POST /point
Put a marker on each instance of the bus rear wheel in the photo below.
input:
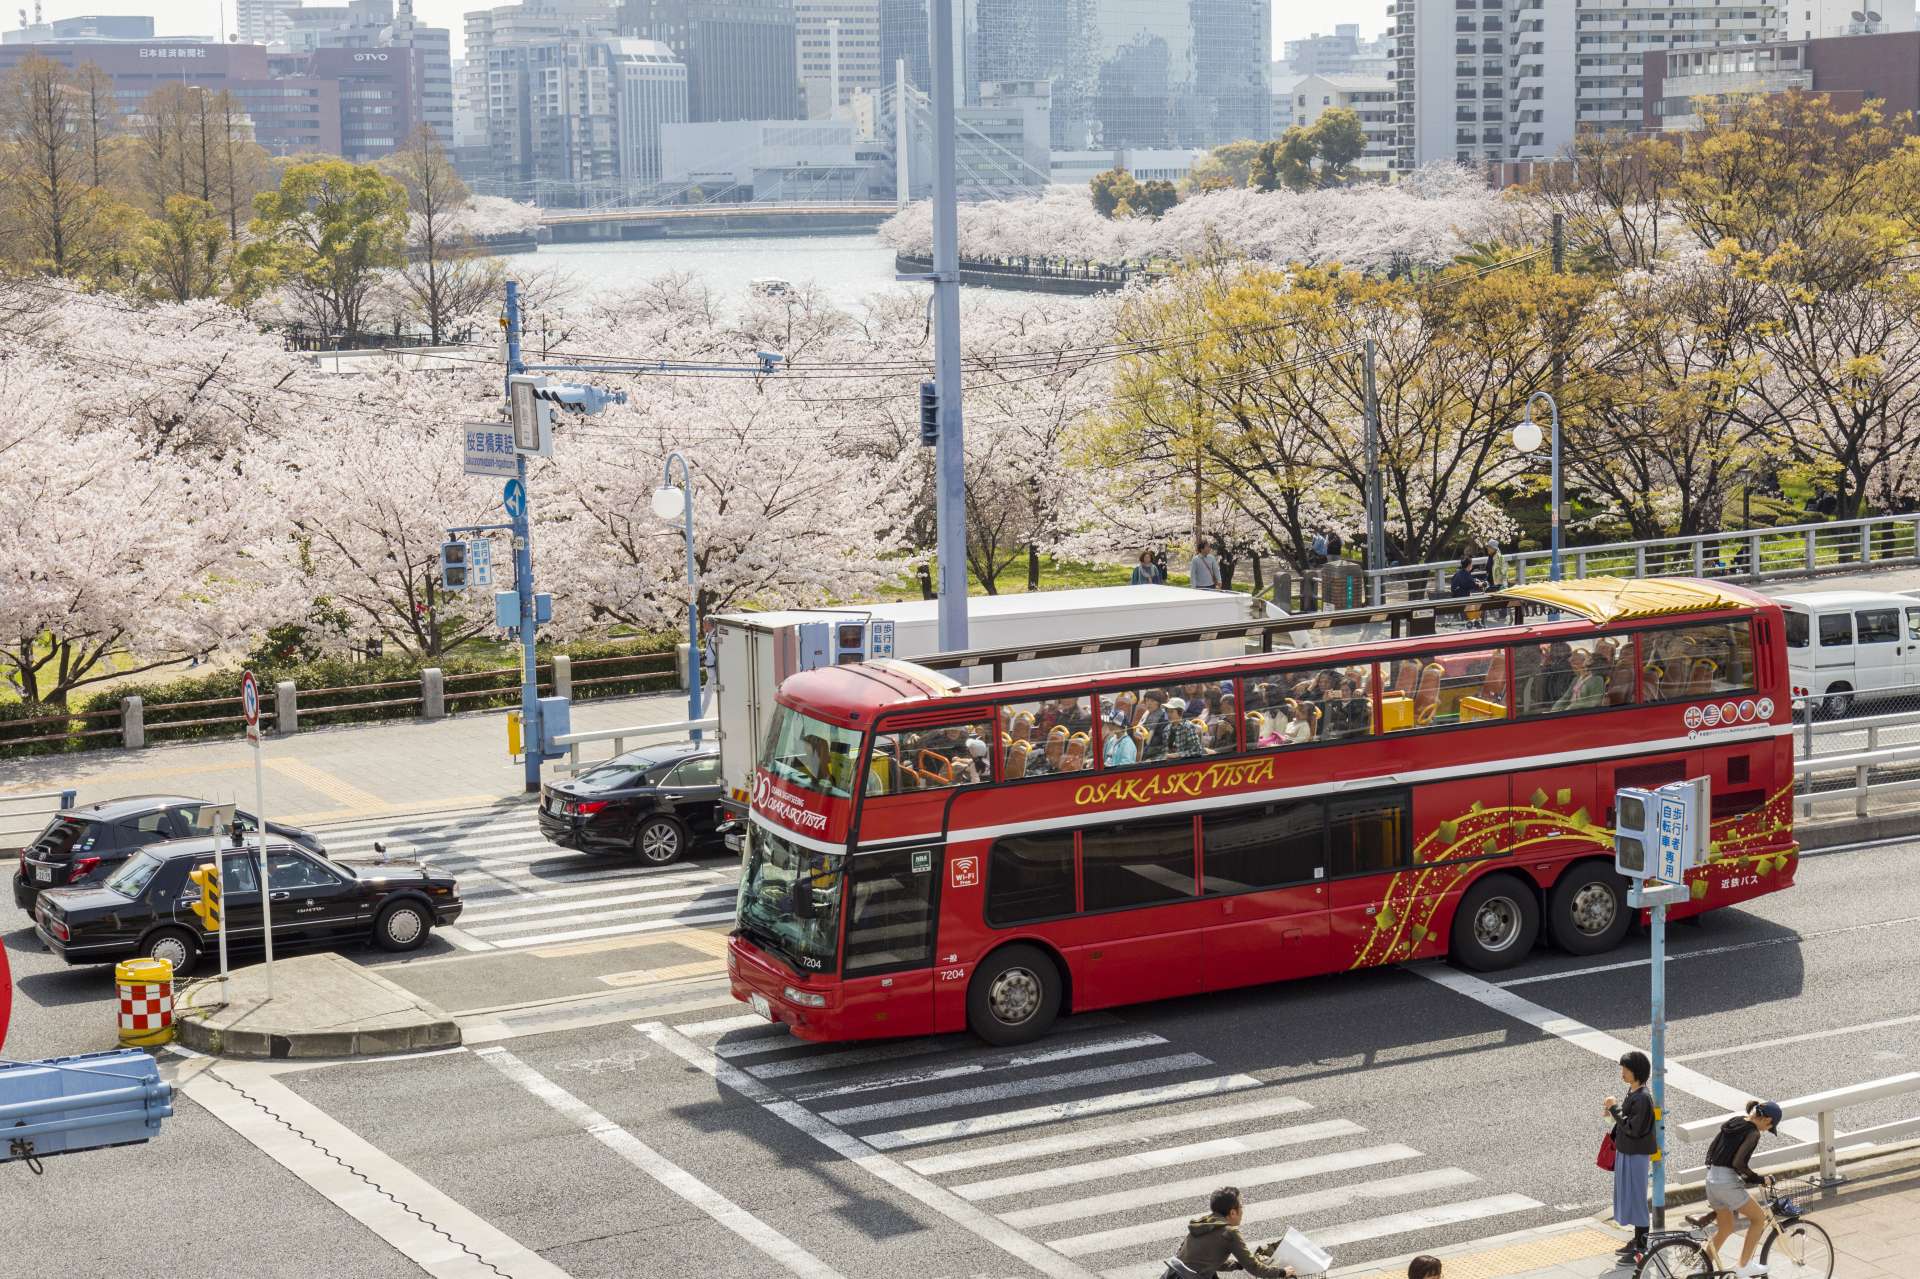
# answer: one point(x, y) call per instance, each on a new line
point(1014, 996)
point(1588, 913)
point(1496, 925)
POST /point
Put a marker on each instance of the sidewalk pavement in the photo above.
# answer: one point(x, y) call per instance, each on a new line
point(337, 774)
point(1874, 1219)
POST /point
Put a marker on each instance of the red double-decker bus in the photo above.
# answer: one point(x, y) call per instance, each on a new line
point(925, 856)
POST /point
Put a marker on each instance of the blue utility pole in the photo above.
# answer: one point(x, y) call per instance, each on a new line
point(950, 506)
point(693, 582)
point(531, 739)
point(1659, 1046)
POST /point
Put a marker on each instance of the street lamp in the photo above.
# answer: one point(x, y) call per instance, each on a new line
point(1526, 438)
point(675, 502)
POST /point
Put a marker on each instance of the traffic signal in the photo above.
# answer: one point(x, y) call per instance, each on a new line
point(208, 908)
point(1635, 812)
point(453, 566)
point(929, 414)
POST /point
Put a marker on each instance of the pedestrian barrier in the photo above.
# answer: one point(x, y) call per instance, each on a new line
point(619, 736)
point(1849, 762)
point(146, 1002)
point(24, 816)
point(1829, 1145)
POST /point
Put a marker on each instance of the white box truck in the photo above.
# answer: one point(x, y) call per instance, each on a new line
point(756, 651)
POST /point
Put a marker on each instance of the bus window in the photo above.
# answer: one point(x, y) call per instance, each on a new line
point(1174, 721)
point(1267, 846)
point(1030, 877)
point(1307, 704)
point(1137, 863)
point(1704, 660)
point(1573, 675)
point(1367, 835)
point(1447, 688)
point(810, 753)
point(1045, 737)
point(934, 758)
point(890, 910)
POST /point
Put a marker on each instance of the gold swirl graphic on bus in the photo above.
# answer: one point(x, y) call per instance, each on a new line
point(1145, 788)
point(1404, 918)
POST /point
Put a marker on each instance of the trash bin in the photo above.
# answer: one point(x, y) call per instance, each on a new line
point(146, 1002)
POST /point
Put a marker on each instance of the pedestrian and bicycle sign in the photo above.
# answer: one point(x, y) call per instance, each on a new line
point(250, 706)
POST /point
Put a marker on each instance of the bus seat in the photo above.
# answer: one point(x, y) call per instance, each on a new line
point(1493, 686)
point(1017, 758)
point(1620, 683)
point(1426, 697)
point(1700, 677)
point(1407, 677)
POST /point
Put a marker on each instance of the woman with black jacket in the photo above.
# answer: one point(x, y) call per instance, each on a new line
point(1633, 1150)
point(1728, 1176)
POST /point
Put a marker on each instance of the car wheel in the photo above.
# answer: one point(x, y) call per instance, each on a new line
point(659, 841)
point(175, 945)
point(1838, 703)
point(402, 926)
point(1588, 913)
point(1014, 996)
point(1496, 925)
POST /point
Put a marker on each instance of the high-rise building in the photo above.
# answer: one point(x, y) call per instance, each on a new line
point(262, 21)
point(1818, 19)
point(839, 50)
point(91, 27)
point(1134, 73)
point(742, 55)
point(374, 26)
point(1849, 70)
point(1345, 52)
point(649, 93)
point(903, 37)
point(1517, 79)
point(535, 22)
point(1371, 98)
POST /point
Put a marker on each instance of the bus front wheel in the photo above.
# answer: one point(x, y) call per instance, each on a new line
point(1014, 996)
point(1496, 924)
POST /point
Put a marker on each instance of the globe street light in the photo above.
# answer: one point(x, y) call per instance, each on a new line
point(675, 502)
point(1526, 438)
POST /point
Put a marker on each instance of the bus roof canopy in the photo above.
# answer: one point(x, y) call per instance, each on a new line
point(1613, 599)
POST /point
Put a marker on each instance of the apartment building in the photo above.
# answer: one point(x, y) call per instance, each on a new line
point(838, 44)
point(1372, 98)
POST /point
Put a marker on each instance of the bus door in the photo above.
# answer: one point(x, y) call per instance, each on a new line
point(1140, 934)
point(1265, 872)
point(893, 899)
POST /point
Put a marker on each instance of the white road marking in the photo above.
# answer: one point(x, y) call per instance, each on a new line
point(1681, 1078)
point(721, 1025)
point(1101, 1105)
point(600, 884)
point(498, 923)
point(1015, 1088)
point(884, 1167)
point(1198, 1188)
point(1792, 939)
point(461, 939)
point(785, 1253)
point(1797, 1039)
point(1150, 1160)
point(437, 1254)
point(1146, 1232)
point(894, 1050)
point(982, 1066)
point(1106, 1135)
point(1399, 1223)
point(597, 1009)
point(687, 889)
point(612, 930)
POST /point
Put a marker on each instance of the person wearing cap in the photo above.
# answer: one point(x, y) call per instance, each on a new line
point(1116, 743)
point(1729, 1174)
point(1183, 735)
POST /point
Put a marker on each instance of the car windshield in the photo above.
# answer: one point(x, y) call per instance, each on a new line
point(790, 900)
point(617, 774)
point(132, 879)
point(811, 753)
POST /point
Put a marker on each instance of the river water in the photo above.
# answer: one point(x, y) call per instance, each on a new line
point(848, 267)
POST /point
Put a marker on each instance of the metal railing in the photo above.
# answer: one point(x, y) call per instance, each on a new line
point(619, 737)
point(1850, 761)
point(26, 815)
point(1745, 555)
point(1830, 1144)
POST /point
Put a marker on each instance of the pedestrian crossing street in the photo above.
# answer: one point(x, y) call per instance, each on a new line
point(1102, 1140)
point(522, 892)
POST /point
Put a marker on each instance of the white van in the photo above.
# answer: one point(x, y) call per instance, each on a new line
point(1844, 646)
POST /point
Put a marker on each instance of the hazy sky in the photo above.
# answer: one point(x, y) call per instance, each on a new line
point(1291, 18)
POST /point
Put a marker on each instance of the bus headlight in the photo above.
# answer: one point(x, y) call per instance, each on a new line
point(805, 998)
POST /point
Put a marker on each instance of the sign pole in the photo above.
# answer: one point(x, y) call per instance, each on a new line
point(250, 700)
point(531, 739)
point(220, 886)
point(1659, 1046)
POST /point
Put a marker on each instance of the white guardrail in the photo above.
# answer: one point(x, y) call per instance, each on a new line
point(1829, 1145)
point(24, 816)
point(620, 736)
point(1845, 763)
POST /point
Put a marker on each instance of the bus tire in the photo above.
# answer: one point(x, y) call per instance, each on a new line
point(1496, 925)
point(1014, 996)
point(1587, 911)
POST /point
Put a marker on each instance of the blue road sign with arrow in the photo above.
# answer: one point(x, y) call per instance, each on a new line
point(516, 499)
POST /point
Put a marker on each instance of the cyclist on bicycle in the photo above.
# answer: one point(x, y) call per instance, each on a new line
point(1728, 1177)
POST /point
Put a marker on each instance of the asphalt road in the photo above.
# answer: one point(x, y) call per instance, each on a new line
point(616, 1127)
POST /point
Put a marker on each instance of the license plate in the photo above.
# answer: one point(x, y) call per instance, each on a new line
point(554, 805)
point(733, 843)
point(761, 1006)
point(43, 873)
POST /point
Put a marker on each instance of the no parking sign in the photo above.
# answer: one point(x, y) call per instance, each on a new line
point(6, 996)
point(250, 704)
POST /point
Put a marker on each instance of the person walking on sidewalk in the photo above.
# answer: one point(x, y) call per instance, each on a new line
point(1203, 570)
point(1729, 1174)
point(1213, 1244)
point(1424, 1267)
point(1633, 1150)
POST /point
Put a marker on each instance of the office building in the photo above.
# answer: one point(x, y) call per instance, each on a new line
point(92, 27)
point(535, 22)
point(568, 118)
point(262, 21)
point(1821, 19)
point(1078, 168)
point(1516, 79)
point(839, 51)
point(1848, 69)
point(649, 93)
point(766, 159)
point(741, 55)
point(372, 27)
point(1342, 53)
point(380, 92)
point(1371, 98)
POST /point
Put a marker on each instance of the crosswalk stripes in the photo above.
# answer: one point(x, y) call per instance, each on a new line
point(522, 891)
point(1131, 1137)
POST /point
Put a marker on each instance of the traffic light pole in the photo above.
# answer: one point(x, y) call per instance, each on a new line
point(950, 507)
point(531, 739)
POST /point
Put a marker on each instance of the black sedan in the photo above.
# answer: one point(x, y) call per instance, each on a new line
point(146, 907)
point(85, 844)
point(654, 804)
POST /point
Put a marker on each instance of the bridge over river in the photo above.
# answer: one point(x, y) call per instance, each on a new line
point(578, 226)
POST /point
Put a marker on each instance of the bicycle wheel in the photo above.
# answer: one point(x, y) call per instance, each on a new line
point(1676, 1259)
point(1799, 1249)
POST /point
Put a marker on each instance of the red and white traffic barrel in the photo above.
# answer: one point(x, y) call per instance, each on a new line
point(146, 1002)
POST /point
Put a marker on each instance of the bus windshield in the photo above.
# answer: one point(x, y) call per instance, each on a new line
point(811, 753)
point(790, 900)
